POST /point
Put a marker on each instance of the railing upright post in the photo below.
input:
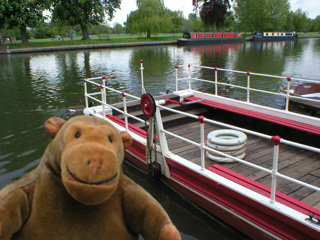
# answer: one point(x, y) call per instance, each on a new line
point(276, 140)
point(176, 69)
point(189, 76)
point(125, 110)
point(143, 90)
point(86, 92)
point(288, 93)
point(248, 86)
point(202, 142)
point(216, 81)
point(103, 99)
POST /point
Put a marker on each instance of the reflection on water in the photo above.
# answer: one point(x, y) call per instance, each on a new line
point(37, 86)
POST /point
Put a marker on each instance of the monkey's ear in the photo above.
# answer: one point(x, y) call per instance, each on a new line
point(53, 125)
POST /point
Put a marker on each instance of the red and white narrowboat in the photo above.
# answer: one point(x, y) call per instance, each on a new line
point(218, 37)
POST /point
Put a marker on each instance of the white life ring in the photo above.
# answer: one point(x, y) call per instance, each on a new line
point(236, 152)
point(226, 137)
point(227, 141)
point(226, 148)
point(223, 158)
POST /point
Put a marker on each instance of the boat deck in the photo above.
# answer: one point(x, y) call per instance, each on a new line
point(298, 164)
point(293, 162)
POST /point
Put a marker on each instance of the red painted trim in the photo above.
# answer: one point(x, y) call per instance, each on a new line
point(132, 128)
point(136, 152)
point(264, 190)
point(249, 209)
point(285, 122)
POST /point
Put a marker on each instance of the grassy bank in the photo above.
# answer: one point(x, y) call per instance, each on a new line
point(95, 39)
point(111, 38)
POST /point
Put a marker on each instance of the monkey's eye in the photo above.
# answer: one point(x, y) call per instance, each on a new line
point(110, 139)
point(77, 134)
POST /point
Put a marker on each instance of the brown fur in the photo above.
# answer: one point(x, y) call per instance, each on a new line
point(78, 190)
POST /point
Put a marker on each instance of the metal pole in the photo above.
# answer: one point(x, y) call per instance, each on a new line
point(104, 84)
point(276, 140)
point(202, 141)
point(103, 99)
point(125, 110)
point(142, 80)
point(288, 93)
point(189, 76)
point(176, 69)
point(216, 81)
point(85, 92)
point(248, 87)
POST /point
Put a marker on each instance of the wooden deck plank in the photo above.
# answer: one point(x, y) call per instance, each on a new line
point(312, 199)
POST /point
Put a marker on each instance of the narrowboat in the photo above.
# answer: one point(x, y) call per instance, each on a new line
point(254, 166)
point(202, 38)
point(274, 36)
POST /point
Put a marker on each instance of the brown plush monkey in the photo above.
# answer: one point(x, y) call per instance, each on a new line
point(78, 191)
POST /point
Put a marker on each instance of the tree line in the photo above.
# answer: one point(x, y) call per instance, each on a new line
point(85, 17)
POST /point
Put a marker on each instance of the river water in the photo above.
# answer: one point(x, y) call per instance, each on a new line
point(34, 87)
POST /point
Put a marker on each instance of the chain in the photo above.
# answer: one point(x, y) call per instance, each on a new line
point(155, 140)
point(148, 140)
point(206, 213)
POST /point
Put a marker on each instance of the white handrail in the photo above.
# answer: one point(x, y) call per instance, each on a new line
point(248, 88)
point(277, 140)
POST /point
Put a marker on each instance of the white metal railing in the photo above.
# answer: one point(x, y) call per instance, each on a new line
point(103, 97)
point(201, 144)
point(248, 87)
point(276, 139)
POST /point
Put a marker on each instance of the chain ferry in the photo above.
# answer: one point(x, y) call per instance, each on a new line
point(256, 167)
point(201, 38)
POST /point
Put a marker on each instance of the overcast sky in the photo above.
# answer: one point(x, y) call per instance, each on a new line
point(310, 6)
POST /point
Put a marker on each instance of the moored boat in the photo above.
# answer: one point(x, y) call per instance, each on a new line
point(269, 192)
point(274, 36)
point(306, 95)
point(203, 37)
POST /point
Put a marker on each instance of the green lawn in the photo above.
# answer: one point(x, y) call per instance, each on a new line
point(308, 34)
point(113, 38)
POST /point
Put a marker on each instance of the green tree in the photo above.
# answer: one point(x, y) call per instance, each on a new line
point(317, 23)
point(22, 14)
point(151, 17)
point(262, 15)
point(177, 19)
point(84, 12)
point(299, 20)
point(98, 29)
point(118, 28)
point(213, 12)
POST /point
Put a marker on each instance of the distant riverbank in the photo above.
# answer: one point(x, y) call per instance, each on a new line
point(88, 46)
point(105, 41)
